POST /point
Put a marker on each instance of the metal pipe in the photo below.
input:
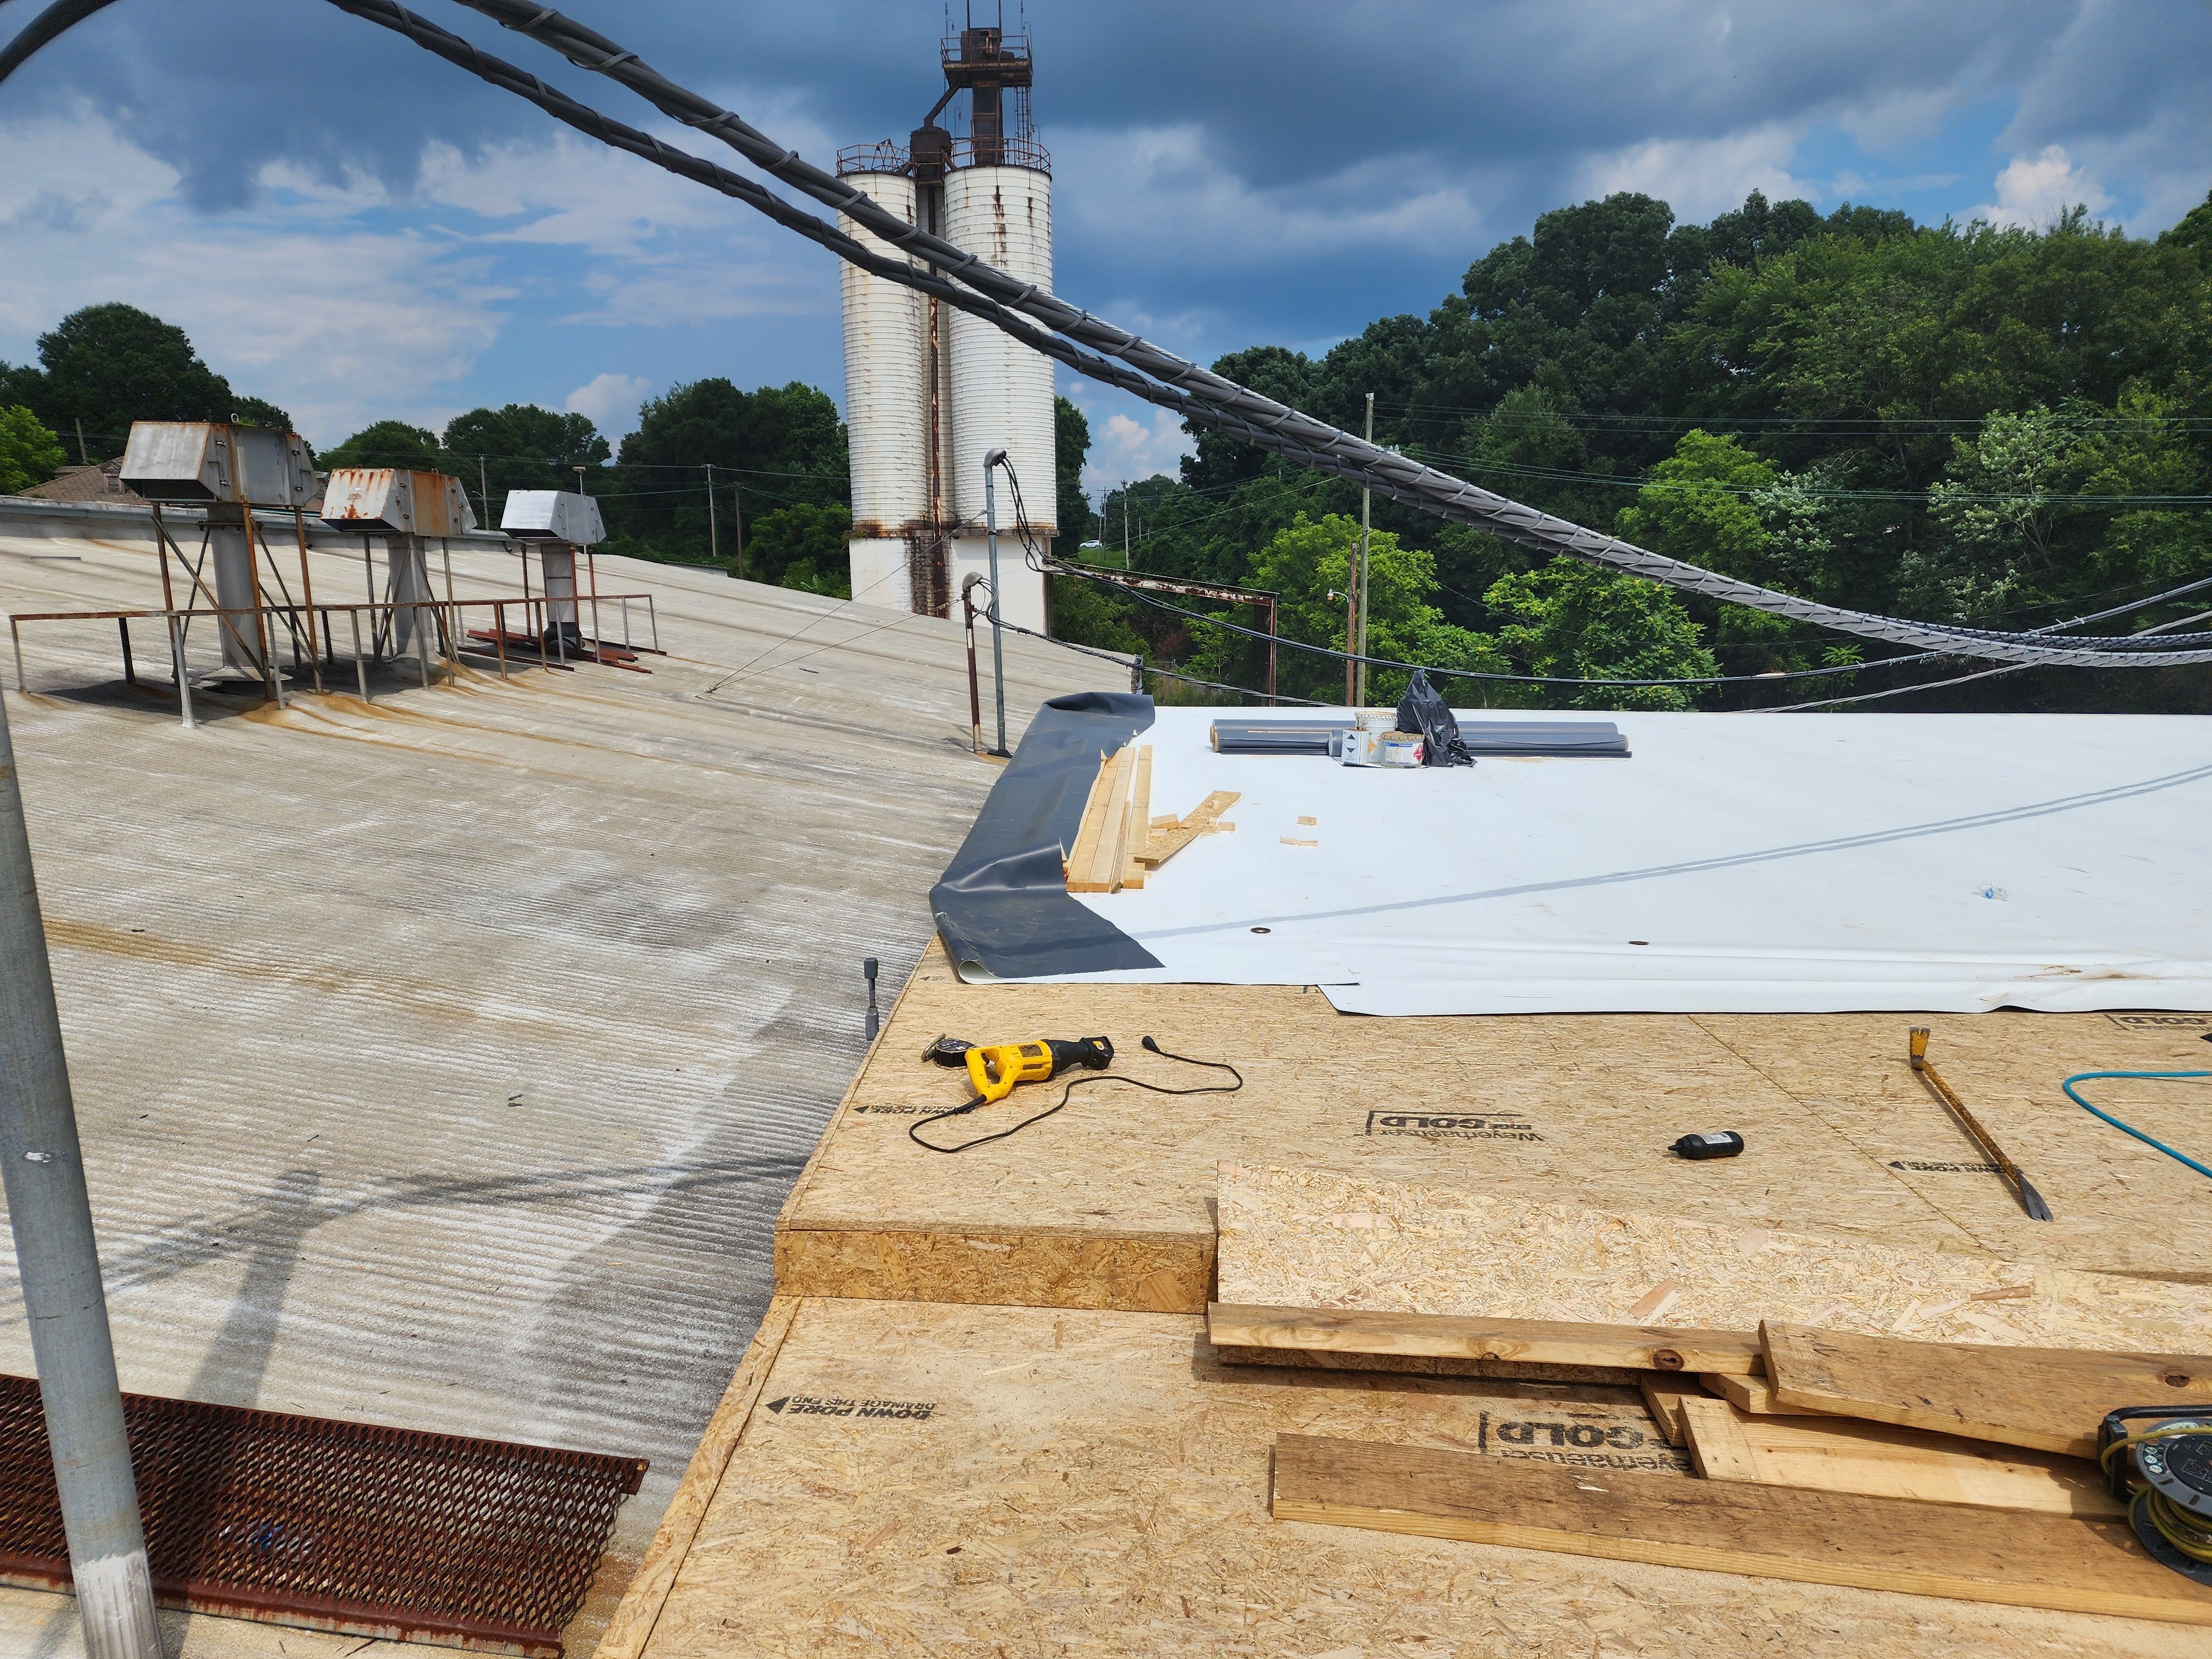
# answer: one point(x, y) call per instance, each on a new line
point(129, 668)
point(177, 661)
point(1359, 651)
point(307, 594)
point(1271, 636)
point(998, 646)
point(653, 616)
point(499, 632)
point(975, 692)
point(51, 1216)
point(15, 633)
point(360, 662)
point(625, 615)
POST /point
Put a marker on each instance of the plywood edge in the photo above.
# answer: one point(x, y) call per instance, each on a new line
point(1454, 1336)
point(1150, 1273)
point(798, 1189)
point(630, 1629)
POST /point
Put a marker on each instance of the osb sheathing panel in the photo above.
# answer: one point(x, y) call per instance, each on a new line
point(1844, 1141)
point(1314, 1239)
point(1030, 1481)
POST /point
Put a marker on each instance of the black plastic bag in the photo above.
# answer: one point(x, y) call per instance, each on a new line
point(1422, 710)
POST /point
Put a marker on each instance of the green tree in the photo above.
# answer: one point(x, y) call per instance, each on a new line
point(29, 454)
point(258, 411)
point(395, 443)
point(1309, 564)
point(778, 445)
point(521, 447)
point(109, 365)
point(802, 546)
point(1576, 621)
point(1071, 434)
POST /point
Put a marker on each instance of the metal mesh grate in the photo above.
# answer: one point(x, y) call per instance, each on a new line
point(343, 1526)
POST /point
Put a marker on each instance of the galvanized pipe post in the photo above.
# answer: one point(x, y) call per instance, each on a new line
point(998, 647)
point(975, 692)
point(177, 658)
point(50, 1215)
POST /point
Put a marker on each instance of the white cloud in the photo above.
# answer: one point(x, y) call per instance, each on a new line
point(1700, 177)
point(2033, 191)
point(609, 401)
point(1165, 191)
point(1131, 445)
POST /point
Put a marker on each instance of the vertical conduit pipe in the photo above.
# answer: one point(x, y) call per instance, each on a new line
point(50, 1215)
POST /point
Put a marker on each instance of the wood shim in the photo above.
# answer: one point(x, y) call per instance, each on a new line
point(2050, 1399)
point(1309, 1238)
point(1445, 1336)
point(2023, 1558)
point(1835, 1454)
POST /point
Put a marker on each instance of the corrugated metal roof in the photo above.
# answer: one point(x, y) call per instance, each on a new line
point(442, 1061)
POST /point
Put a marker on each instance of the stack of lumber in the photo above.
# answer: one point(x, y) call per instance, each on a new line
point(1853, 1414)
point(1118, 841)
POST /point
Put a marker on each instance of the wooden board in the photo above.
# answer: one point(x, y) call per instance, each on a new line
point(1101, 871)
point(1752, 1394)
point(1094, 1484)
point(1815, 1537)
point(1662, 1397)
point(1138, 821)
point(2050, 1399)
point(1315, 1238)
point(1566, 1109)
point(1092, 828)
point(1835, 1454)
point(1442, 1335)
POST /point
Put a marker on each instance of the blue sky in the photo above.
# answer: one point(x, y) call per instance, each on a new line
point(356, 229)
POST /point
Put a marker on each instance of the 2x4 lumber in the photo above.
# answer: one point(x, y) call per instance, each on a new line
point(2050, 1399)
point(1877, 1460)
point(1089, 831)
point(1452, 1336)
point(2025, 1559)
point(1114, 833)
point(631, 1628)
point(1138, 821)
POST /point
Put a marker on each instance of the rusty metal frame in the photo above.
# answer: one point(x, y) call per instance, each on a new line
point(1220, 592)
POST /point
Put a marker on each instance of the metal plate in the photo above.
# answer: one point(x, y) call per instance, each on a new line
point(340, 1526)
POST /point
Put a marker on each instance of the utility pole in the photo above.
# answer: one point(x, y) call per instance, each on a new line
point(1360, 649)
point(484, 493)
point(51, 1216)
point(83, 459)
point(737, 507)
point(1124, 523)
point(714, 545)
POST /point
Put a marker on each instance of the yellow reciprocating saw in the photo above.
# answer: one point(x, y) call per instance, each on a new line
point(996, 1069)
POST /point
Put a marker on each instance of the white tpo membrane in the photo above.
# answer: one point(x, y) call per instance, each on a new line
point(1735, 863)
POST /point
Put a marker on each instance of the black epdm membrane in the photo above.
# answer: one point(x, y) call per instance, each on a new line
point(1002, 904)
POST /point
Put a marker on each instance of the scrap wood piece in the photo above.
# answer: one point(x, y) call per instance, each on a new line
point(1293, 1237)
point(1877, 1460)
point(2023, 1558)
point(1445, 1336)
point(1164, 843)
point(1754, 1394)
point(1662, 1397)
point(2050, 1399)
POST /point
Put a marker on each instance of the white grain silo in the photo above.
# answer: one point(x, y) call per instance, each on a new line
point(1001, 389)
point(929, 390)
point(886, 401)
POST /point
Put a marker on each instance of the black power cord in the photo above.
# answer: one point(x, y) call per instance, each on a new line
point(913, 1130)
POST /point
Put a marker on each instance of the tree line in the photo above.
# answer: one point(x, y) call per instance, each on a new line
point(2002, 428)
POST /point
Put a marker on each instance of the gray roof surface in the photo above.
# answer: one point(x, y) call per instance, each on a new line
point(442, 1061)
